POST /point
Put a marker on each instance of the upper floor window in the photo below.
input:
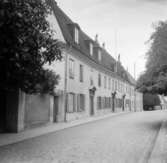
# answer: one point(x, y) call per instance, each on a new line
point(81, 73)
point(99, 55)
point(91, 48)
point(71, 68)
point(76, 35)
point(91, 80)
point(91, 76)
point(99, 80)
point(116, 85)
point(105, 82)
point(109, 83)
point(113, 85)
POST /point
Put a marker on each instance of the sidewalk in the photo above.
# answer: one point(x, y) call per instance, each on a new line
point(159, 153)
point(6, 139)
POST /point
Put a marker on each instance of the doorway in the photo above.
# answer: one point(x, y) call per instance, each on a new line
point(113, 104)
point(56, 106)
point(91, 98)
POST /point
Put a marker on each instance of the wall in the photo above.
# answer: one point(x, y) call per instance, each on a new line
point(139, 101)
point(37, 109)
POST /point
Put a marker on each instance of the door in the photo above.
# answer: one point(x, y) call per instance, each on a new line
point(123, 106)
point(91, 105)
point(113, 104)
point(56, 106)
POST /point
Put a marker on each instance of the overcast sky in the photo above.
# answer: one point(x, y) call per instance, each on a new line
point(124, 25)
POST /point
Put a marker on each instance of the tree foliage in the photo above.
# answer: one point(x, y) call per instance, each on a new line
point(150, 100)
point(26, 45)
point(154, 79)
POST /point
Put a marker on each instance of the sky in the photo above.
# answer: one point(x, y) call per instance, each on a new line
point(124, 25)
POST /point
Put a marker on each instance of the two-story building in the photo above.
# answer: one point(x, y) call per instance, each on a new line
point(91, 82)
point(94, 82)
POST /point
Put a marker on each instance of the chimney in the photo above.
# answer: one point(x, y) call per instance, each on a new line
point(103, 45)
point(96, 38)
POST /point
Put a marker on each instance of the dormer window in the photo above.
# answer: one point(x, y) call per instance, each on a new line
point(91, 48)
point(99, 55)
point(76, 35)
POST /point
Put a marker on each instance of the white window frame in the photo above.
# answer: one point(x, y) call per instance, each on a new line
point(91, 49)
point(99, 55)
point(81, 73)
point(71, 68)
point(76, 35)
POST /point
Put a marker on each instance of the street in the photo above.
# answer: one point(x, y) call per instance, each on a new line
point(125, 138)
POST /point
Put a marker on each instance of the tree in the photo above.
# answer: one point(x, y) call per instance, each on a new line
point(154, 79)
point(150, 100)
point(26, 45)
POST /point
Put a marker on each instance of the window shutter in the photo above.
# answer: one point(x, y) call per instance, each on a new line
point(74, 102)
point(67, 102)
point(98, 103)
point(78, 102)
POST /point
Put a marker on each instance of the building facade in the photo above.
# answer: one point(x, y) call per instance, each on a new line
point(94, 82)
point(91, 82)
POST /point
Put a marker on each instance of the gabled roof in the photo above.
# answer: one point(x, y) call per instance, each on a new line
point(66, 24)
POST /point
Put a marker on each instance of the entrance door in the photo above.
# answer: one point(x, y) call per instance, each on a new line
point(56, 106)
point(113, 104)
point(91, 104)
point(2, 112)
point(123, 104)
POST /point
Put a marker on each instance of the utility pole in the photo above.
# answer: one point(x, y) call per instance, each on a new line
point(115, 42)
point(135, 70)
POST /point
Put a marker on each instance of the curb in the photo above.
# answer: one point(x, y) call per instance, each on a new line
point(7, 139)
point(159, 153)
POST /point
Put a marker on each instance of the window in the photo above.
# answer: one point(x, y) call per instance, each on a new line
point(113, 85)
point(76, 35)
point(91, 49)
point(99, 102)
point(105, 82)
point(110, 102)
point(91, 77)
point(109, 83)
point(91, 80)
point(116, 87)
point(99, 55)
point(71, 103)
point(81, 102)
point(99, 80)
point(81, 73)
point(71, 68)
point(105, 102)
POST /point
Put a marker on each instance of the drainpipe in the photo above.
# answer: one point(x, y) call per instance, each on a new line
point(66, 81)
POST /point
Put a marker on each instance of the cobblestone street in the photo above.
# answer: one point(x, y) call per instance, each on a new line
point(125, 138)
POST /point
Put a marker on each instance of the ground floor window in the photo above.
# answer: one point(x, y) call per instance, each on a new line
point(104, 102)
point(71, 103)
point(128, 103)
point(119, 103)
point(81, 102)
point(99, 102)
